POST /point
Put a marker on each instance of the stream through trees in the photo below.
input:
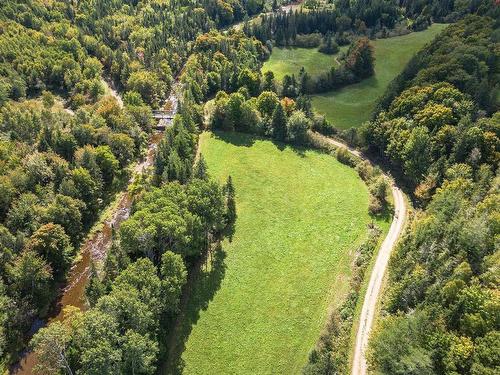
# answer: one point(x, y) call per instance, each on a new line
point(95, 247)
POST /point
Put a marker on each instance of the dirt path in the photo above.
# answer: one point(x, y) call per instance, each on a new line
point(368, 311)
point(109, 88)
point(359, 365)
point(284, 8)
point(295, 5)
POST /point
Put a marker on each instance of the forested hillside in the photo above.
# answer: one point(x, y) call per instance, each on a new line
point(436, 113)
point(439, 127)
point(58, 166)
point(69, 145)
point(350, 18)
point(66, 144)
point(352, 24)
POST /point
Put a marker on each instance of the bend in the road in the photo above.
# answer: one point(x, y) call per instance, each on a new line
point(368, 311)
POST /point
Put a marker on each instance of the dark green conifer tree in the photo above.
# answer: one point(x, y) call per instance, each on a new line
point(95, 287)
point(201, 169)
point(278, 123)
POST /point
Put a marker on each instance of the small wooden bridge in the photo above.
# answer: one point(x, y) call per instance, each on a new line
point(163, 115)
point(165, 119)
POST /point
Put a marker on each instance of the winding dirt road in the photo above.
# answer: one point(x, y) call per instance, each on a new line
point(359, 365)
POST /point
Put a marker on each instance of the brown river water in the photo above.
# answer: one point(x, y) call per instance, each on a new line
point(94, 249)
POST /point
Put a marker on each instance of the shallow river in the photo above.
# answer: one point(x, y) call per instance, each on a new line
point(94, 249)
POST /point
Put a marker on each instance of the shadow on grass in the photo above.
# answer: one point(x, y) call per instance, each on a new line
point(386, 214)
point(236, 138)
point(247, 140)
point(204, 282)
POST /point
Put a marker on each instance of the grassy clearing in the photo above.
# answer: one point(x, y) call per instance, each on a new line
point(291, 60)
point(353, 105)
point(261, 307)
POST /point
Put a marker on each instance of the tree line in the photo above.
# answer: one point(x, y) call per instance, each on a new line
point(264, 115)
point(439, 127)
point(138, 296)
point(65, 145)
point(358, 64)
point(371, 18)
point(436, 113)
point(228, 67)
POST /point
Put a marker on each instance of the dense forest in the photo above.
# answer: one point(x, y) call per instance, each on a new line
point(436, 113)
point(352, 23)
point(439, 128)
point(67, 148)
point(59, 166)
point(349, 18)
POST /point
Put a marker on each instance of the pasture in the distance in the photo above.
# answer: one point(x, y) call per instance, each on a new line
point(301, 214)
point(291, 60)
point(353, 105)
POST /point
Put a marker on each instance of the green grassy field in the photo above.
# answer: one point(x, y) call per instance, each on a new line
point(353, 105)
point(291, 60)
point(262, 306)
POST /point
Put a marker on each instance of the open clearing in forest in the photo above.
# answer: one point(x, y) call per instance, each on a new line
point(291, 60)
point(353, 105)
point(261, 307)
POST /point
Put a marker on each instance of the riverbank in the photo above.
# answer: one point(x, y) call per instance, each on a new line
point(93, 250)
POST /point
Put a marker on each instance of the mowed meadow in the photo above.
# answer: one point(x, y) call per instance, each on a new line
point(354, 104)
point(290, 60)
point(260, 308)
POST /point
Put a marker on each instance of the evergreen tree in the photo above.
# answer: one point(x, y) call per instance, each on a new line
point(280, 37)
point(95, 288)
point(305, 105)
point(278, 123)
point(305, 81)
point(269, 84)
point(290, 88)
point(329, 47)
point(201, 169)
